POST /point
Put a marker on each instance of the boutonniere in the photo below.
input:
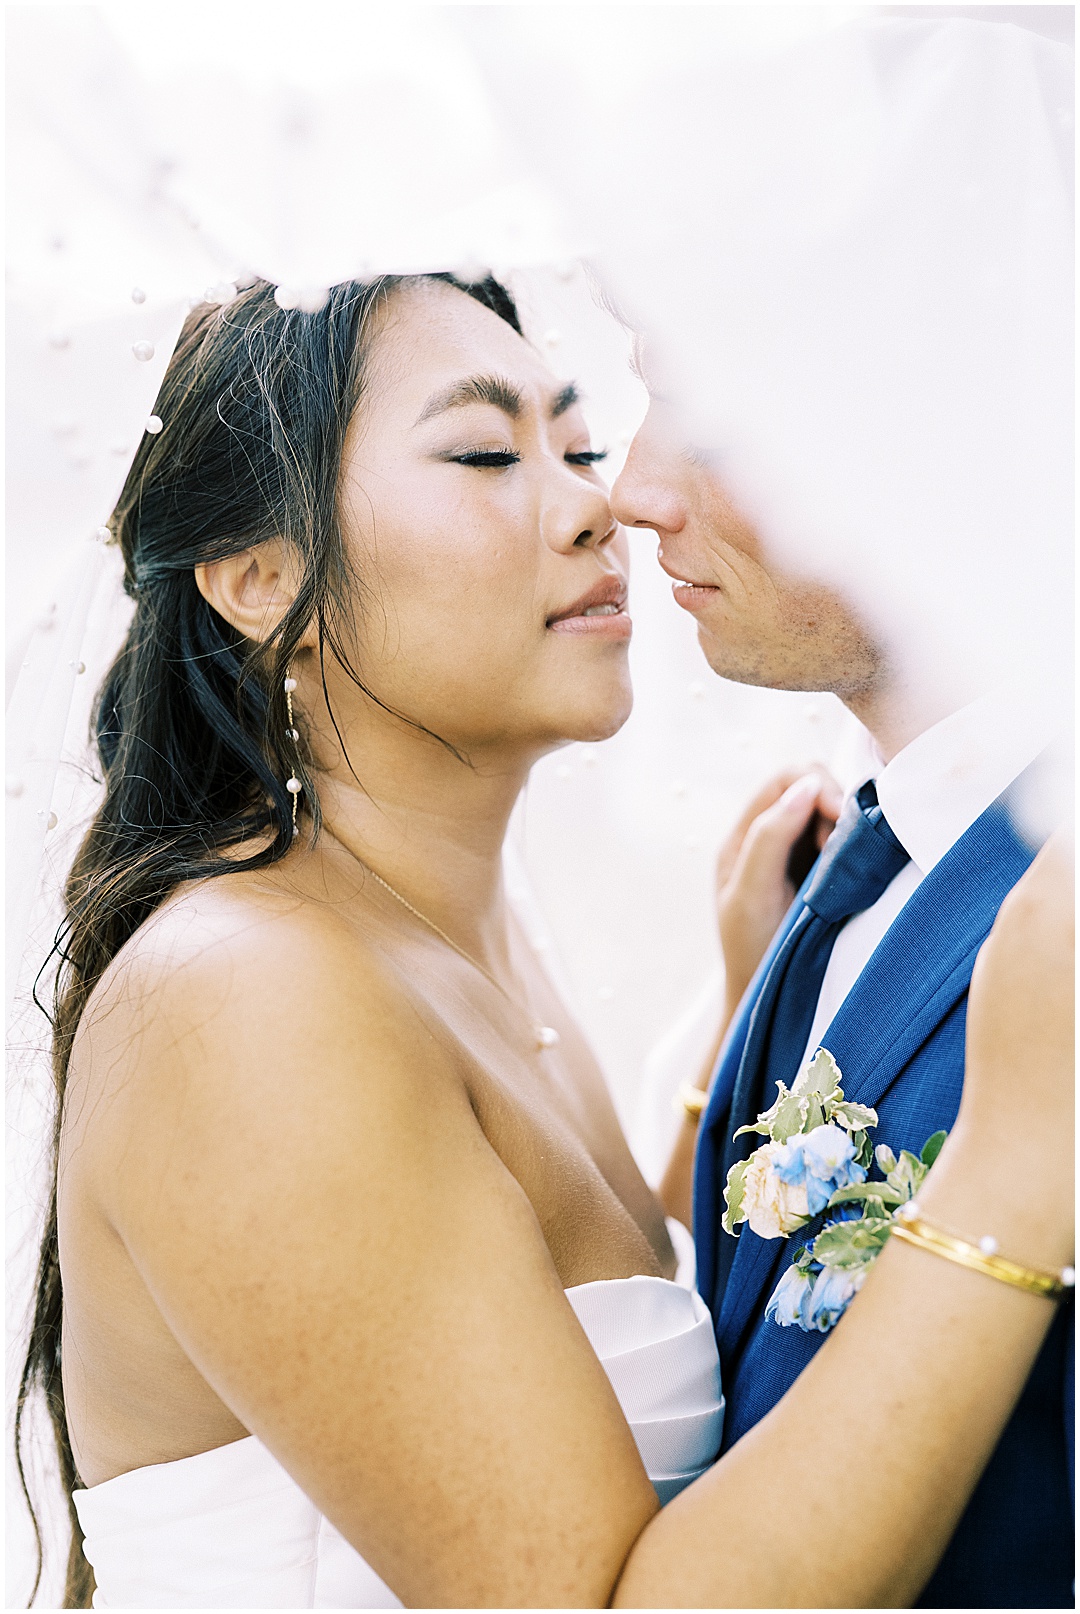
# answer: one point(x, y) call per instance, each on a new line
point(818, 1159)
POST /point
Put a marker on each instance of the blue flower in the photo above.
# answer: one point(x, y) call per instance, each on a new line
point(834, 1289)
point(790, 1300)
point(820, 1161)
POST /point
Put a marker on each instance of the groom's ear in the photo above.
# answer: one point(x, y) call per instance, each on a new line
point(253, 589)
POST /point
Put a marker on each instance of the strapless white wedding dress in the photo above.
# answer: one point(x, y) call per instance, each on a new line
point(229, 1528)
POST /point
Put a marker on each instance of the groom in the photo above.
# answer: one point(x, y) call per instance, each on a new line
point(873, 961)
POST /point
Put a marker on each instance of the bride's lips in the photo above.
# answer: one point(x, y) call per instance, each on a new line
point(599, 614)
point(685, 592)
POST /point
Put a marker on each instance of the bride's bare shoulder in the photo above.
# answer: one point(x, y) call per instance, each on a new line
point(238, 982)
point(221, 937)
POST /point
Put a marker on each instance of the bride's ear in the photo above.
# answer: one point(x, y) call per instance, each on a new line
point(252, 590)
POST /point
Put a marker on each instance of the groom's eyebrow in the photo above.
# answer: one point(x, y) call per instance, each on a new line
point(495, 390)
point(564, 400)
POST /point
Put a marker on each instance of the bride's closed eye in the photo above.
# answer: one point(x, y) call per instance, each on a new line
point(495, 459)
point(500, 458)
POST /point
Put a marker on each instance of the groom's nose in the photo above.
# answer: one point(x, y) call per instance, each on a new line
point(645, 492)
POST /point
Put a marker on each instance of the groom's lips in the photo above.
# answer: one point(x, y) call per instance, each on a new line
point(687, 593)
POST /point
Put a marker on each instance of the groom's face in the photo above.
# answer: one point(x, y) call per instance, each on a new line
point(757, 623)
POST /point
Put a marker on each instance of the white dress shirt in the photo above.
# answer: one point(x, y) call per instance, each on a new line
point(931, 793)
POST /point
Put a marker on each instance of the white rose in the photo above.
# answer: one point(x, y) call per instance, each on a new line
point(773, 1208)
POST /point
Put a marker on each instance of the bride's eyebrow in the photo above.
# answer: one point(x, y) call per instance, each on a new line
point(485, 389)
point(495, 390)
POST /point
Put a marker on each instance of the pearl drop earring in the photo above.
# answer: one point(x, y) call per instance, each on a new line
point(293, 785)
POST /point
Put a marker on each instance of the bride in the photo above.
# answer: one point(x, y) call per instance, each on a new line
point(360, 1294)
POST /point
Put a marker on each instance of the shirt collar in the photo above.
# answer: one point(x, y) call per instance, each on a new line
point(937, 786)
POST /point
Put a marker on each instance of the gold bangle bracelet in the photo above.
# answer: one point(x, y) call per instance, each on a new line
point(912, 1228)
point(691, 1101)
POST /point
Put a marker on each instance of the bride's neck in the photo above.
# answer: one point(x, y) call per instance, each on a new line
point(431, 826)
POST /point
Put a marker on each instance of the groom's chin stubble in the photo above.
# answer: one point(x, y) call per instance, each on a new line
point(813, 642)
point(742, 663)
point(792, 666)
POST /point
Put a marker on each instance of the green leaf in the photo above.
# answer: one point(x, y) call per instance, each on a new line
point(760, 1125)
point(932, 1148)
point(855, 1117)
point(790, 1118)
point(734, 1194)
point(815, 1115)
point(822, 1076)
point(864, 1149)
point(764, 1122)
point(864, 1191)
point(907, 1175)
point(851, 1244)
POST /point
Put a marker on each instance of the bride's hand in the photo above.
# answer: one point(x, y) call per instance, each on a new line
point(762, 862)
point(1017, 1108)
point(760, 866)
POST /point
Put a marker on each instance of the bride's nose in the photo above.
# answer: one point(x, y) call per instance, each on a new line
point(586, 522)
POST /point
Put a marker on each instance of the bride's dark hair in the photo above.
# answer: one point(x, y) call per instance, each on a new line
point(191, 720)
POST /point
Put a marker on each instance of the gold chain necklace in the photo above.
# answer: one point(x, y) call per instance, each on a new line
point(546, 1036)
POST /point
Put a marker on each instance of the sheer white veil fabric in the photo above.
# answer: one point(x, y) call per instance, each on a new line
point(150, 172)
point(88, 226)
point(846, 234)
point(867, 214)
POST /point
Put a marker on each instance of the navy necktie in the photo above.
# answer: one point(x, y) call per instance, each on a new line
point(861, 858)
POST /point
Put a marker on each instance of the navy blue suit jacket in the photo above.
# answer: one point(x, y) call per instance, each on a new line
point(899, 1041)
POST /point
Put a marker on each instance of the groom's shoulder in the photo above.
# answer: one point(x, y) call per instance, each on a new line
point(996, 843)
point(966, 886)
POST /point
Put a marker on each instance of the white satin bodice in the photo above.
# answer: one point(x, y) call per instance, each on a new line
point(229, 1528)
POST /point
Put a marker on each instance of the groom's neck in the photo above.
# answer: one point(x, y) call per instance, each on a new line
point(896, 713)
